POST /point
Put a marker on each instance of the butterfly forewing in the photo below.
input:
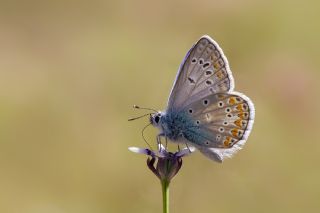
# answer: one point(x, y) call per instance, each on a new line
point(204, 71)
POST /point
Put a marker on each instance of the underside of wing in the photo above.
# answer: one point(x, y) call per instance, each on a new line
point(204, 71)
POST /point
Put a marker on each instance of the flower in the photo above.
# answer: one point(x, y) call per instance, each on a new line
point(165, 165)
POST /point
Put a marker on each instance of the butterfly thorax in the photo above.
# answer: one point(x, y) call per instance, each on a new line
point(173, 124)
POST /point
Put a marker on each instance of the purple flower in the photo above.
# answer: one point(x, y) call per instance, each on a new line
point(165, 165)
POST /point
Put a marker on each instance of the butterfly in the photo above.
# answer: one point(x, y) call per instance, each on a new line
point(203, 109)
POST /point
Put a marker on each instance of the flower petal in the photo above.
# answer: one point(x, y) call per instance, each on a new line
point(141, 151)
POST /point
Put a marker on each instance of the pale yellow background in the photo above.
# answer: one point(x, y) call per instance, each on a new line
point(70, 72)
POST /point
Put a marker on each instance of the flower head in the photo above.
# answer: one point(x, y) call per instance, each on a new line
point(165, 165)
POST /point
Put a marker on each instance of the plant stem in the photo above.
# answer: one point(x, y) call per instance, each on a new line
point(165, 195)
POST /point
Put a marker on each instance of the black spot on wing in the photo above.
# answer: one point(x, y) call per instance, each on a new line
point(191, 80)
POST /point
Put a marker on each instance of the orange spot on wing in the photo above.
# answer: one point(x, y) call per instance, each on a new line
point(219, 74)
point(238, 122)
point(232, 100)
point(240, 107)
point(243, 115)
point(235, 132)
point(226, 142)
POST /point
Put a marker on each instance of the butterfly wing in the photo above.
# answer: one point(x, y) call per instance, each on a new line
point(221, 119)
point(203, 71)
point(222, 124)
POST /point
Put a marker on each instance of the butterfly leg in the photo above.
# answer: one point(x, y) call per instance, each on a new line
point(166, 142)
point(159, 141)
point(188, 147)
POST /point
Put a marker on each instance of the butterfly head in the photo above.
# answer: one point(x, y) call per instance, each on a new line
point(155, 119)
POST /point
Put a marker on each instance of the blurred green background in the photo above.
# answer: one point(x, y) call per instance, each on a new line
point(70, 72)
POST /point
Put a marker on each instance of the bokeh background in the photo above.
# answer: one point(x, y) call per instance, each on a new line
point(70, 72)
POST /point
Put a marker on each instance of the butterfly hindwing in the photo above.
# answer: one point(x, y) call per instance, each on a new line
point(204, 71)
point(225, 121)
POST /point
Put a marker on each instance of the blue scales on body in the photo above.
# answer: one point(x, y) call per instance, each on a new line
point(179, 126)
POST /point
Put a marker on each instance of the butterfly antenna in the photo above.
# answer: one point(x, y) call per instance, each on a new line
point(142, 133)
point(141, 116)
point(145, 108)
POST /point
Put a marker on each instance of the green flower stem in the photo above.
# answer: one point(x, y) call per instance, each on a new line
point(165, 195)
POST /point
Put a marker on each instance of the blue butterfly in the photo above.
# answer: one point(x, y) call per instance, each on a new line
point(203, 110)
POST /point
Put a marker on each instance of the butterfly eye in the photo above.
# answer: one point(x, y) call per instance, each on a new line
point(157, 118)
